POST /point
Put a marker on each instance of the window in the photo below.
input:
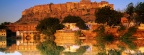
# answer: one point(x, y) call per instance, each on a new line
point(22, 48)
point(29, 48)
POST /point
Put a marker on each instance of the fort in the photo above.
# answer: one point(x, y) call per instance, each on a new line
point(31, 16)
point(84, 9)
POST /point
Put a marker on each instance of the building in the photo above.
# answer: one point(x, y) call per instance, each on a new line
point(28, 50)
point(29, 37)
point(24, 49)
point(22, 27)
point(92, 25)
point(27, 42)
point(85, 1)
point(72, 39)
point(141, 27)
point(124, 21)
point(70, 26)
point(3, 42)
point(65, 37)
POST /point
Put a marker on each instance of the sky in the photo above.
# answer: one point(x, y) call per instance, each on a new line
point(11, 10)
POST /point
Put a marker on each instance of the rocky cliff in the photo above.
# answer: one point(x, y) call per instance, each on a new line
point(85, 10)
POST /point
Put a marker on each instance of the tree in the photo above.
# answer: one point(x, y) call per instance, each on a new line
point(128, 39)
point(75, 19)
point(103, 38)
point(3, 49)
point(130, 11)
point(3, 25)
point(77, 35)
point(49, 48)
point(48, 26)
point(114, 52)
point(139, 10)
point(107, 15)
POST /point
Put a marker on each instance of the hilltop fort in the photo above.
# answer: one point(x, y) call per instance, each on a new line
point(84, 9)
point(30, 17)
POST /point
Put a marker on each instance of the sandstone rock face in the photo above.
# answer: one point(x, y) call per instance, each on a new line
point(84, 9)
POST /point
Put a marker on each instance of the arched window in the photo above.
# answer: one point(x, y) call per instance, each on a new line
point(28, 37)
point(36, 37)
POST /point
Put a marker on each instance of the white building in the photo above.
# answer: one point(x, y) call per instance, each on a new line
point(141, 27)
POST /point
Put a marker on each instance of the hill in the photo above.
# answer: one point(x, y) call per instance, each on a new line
point(83, 9)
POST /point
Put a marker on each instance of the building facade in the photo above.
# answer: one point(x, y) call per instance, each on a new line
point(29, 37)
point(141, 27)
point(27, 42)
point(3, 42)
point(22, 27)
point(65, 37)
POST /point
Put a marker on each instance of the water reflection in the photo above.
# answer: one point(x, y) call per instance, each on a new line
point(14, 53)
point(26, 43)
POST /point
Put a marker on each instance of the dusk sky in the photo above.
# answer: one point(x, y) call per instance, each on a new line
point(10, 10)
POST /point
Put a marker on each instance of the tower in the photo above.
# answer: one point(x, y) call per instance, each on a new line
point(85, 1)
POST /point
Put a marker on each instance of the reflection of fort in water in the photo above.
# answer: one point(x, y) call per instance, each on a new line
point(28, 37)
point(3, 42)
point(27, 40)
